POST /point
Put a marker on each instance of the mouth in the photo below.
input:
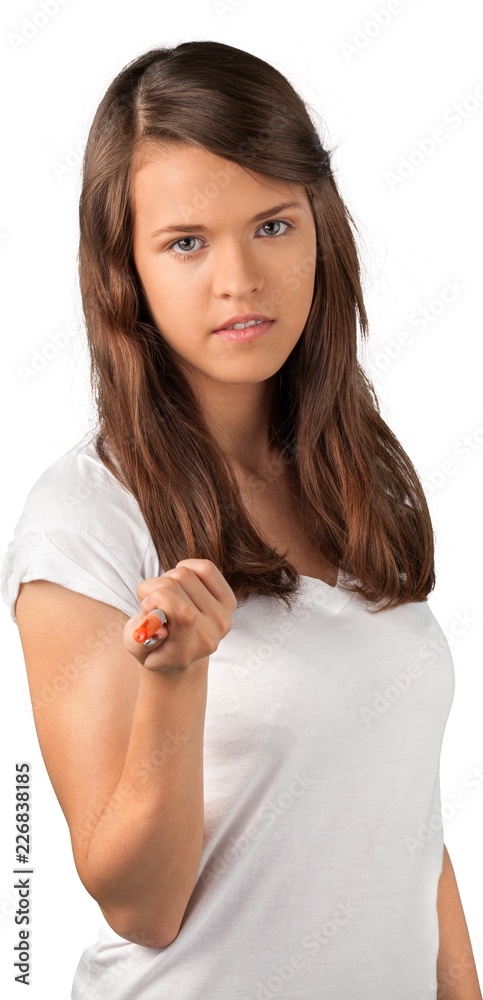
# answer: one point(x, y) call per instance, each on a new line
point(244, 333)
point(244, 322)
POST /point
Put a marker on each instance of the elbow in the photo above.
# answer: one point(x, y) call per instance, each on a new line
point(127, 925)
point(136, 921)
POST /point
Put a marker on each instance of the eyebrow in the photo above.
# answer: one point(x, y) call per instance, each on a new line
point(183, 227)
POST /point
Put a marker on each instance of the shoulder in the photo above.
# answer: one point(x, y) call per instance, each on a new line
point(80, 527)
point(79, 492)
point(78, 488)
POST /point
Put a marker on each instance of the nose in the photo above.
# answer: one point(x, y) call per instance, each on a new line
point(236, 271)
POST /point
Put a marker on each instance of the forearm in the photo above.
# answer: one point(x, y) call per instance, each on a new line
point(456, 970)
point(145, 850)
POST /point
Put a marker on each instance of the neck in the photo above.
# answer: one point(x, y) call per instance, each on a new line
point(239, 419)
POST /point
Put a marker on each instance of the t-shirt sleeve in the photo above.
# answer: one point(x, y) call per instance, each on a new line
point(82, 530)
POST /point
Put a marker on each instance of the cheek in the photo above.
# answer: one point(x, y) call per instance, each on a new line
point(165, 292)
point(172, 280)
point(298, 282)
point(307, 270)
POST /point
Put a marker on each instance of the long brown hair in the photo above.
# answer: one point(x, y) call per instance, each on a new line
point(359, 495)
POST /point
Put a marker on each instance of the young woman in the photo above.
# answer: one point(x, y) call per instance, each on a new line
point(239, 688)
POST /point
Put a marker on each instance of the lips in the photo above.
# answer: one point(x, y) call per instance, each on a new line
point(242, 319)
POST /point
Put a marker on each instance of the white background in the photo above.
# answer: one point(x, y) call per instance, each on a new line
point(418, 234)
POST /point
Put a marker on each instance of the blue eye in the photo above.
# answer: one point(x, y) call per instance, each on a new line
point(276, 222)
point(188, 252)
point(184, 239)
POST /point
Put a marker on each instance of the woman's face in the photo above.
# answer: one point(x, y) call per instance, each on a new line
point(230, 251)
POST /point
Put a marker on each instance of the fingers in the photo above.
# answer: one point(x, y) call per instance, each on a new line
point(206, 571)
point(188, 605)
point(213, 580)
point(197, 602)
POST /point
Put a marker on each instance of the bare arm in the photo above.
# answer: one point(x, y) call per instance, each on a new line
point(141, 860)
point(456, 970)
point(123, 746)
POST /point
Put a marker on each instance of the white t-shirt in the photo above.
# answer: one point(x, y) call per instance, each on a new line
point(323, 840)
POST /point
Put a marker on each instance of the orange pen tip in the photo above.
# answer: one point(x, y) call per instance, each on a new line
point(147, 629)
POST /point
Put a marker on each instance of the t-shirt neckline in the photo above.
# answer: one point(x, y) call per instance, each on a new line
point(324, 594)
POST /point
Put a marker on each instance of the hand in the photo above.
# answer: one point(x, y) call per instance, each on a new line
point(198, 604)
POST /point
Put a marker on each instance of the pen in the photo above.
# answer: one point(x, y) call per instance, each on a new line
point(145, 631)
